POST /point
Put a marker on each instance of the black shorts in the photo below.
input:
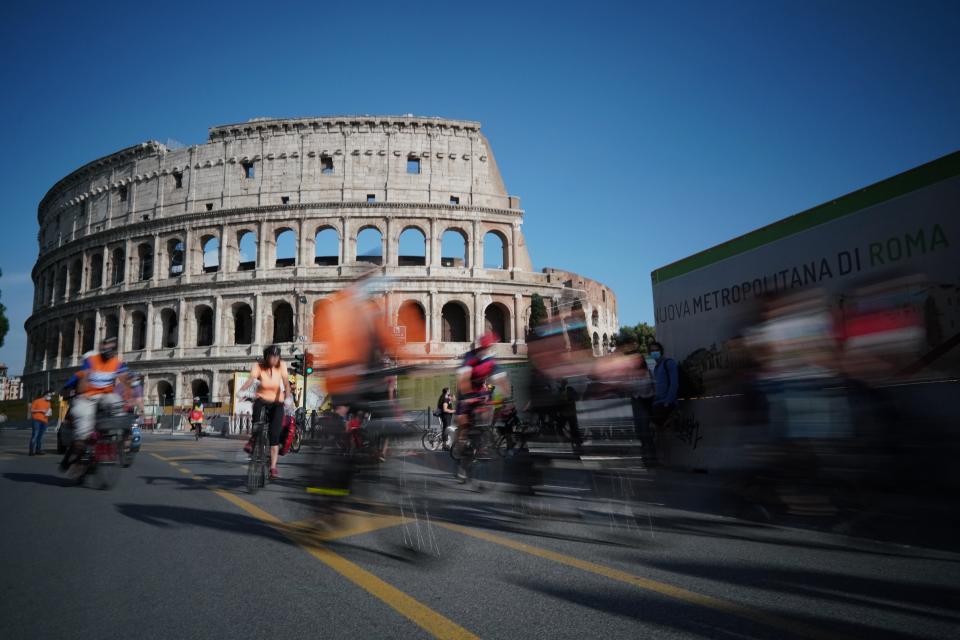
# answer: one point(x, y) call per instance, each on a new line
point(273, 414)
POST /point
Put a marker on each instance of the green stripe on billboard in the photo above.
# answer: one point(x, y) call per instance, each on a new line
point(900, 184)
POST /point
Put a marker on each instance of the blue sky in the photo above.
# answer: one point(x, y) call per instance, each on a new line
point(635, 133)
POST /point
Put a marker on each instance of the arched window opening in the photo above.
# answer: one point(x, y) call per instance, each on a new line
point(164, 393)
point(370, 246)
point(76, 276)
point(282, 322)
point(88, 337)
point(169, 332)
point(453, 248)
point(62, 282)
point(596, 344)
point(327, 247)
point(494, 251)
point(286, 249)
point(605, 343)
point(413, 319)
point(138, 337)
point(175, 253)
point(496, 319)
point(117, 272)
point(595, 318)
point(454, 323)
point(413, 248)
point(144, 261)
point(204, 316)
point(66, 345)
point(96, 271)
point(247, 242)
point(242, 324)
point(111, 327)
point(211, 254)
point(200, 391)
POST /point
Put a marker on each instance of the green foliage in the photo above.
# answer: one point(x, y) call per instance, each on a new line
point(641, 335)
point(538, 310)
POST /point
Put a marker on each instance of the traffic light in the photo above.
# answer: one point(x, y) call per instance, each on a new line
point(296, 367)
point(308, 364)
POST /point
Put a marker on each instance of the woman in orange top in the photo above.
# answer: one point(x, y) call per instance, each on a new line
point(273, 392)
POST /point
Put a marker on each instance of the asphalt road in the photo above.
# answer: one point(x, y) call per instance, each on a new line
point(180, 549)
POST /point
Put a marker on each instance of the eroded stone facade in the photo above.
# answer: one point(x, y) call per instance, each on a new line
point(197, 257)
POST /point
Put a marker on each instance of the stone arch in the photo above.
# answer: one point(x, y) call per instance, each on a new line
point(200, 389)
point(111, 327)
point(605, 343)
point(453, 247)
point(76, 276)
point(496, 253)
point(61, 292)
point(96, 271)
point(88, 334)
point(370, 245)
point(210, 251)
point(496, 319)
point(144, 261)
point(163, 392)
point(204, 325)
point(246, 250)
point(283, 324)
point(413, 318)
point(138, 331)
point(169, 330)
point(242, 323)
point(412, 247)
point(455, 322)
point(285, 247)
point(595, 318)
point(117, 270)
point(326, 246)
point(596, 343)
point(66, 343)
point(176, 251)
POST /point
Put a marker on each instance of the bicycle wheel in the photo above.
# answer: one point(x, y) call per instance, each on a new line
point(297, 441)
point(109, 461)
point(257, 467)
point(431, 440)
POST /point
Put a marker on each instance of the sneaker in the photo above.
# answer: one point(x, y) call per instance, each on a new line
point(273, 474)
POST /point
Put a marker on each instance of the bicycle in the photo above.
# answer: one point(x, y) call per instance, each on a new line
point(300, 433)
point(259, 456)
point(103, 455)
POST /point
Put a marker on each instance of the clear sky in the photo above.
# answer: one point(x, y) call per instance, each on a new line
point(634, 133)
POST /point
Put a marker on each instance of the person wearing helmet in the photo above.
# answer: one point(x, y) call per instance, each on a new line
point(475, 376)
point(273, 392)
point(97, 382)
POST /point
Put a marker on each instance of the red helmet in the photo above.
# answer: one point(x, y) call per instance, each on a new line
point(489, 339)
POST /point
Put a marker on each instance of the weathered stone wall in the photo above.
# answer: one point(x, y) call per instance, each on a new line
point(146, 244)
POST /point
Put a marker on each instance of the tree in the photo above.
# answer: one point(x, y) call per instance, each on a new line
point(538, 310)
point(645, 335)
point(4, 323)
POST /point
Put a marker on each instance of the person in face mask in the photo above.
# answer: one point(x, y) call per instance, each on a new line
point(666, 382)
point(97, 379)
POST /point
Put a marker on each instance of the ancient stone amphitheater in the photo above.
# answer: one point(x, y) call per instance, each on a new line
point(196, 257)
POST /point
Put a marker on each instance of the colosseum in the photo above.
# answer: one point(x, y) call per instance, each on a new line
point(196, 257)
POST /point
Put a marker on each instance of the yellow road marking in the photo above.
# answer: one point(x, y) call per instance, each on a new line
point(426, 618)
point(718, 604)
point(194, 457)
point(187, 471)
point(354, 524)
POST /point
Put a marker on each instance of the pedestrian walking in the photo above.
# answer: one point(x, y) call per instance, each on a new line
point(39, 415)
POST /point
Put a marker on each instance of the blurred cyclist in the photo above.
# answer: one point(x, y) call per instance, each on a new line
point(96, 382)
point(475, 376)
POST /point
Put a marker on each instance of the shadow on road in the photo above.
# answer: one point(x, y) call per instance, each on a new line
point(40, 478)
point(169, 516)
